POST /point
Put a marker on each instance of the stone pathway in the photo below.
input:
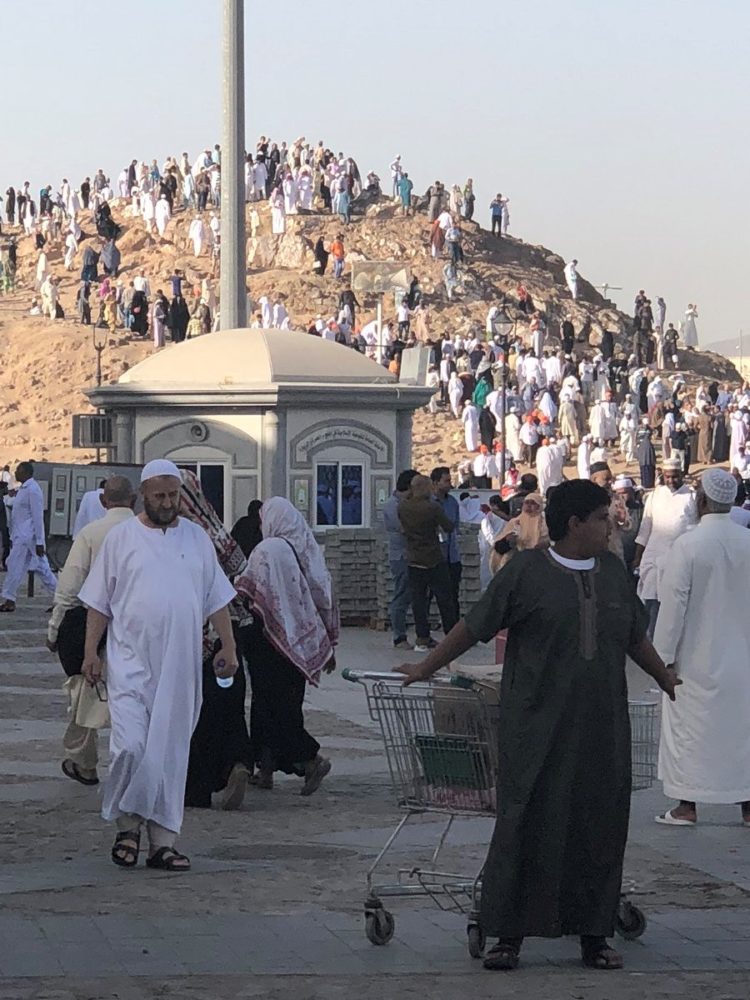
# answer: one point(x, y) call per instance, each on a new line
point(67, 915)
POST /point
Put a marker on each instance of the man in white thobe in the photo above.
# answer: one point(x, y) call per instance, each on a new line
point(197, 233)
point(571, 277)
point(668, 513)
point(266, 312)
point(470, 420)
point(396, 174)
point(550, 459)
point(703, 632)
point(42, 269)
point(163, 215)
point(148, 210)
point(71, 245)
point(154, 583)
point(27, 539)
point(66, 632)
point(603, 420)
point(260, 176)
point(494, 404)
point(90, 509)
point(280, 317)
point(553, 367)
point(513, 435)
point(628, 426)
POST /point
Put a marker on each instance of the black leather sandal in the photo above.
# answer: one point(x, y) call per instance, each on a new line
point(597, 954)
point(167, 859)
point(503, 957)
point(124, 854)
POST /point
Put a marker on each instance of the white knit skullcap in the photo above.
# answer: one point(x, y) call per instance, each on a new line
point(719, 486)
point(159, 467)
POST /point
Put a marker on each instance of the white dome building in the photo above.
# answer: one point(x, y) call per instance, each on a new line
point(258, 413)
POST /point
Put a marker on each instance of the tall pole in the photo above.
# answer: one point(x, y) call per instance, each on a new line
point(503, 390)
point(233, 303)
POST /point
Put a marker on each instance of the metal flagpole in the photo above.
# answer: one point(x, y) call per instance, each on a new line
point(233, 287)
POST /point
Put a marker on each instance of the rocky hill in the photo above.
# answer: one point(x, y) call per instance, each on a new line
point(46, 364)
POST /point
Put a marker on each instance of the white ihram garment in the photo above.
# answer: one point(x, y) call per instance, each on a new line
point(157, 588)
point(703, 627)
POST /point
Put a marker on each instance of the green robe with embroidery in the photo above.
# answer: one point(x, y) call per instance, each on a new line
point(563, 797)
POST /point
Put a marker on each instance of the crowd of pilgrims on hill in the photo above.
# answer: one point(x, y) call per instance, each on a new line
point(571, 394)
point(557, 399)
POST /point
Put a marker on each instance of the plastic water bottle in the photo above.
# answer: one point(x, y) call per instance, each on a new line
point(224, 682)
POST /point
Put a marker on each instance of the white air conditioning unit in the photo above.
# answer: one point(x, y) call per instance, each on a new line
point(92, 430)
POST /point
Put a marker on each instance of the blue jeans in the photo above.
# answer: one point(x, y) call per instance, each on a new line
point(401, 598)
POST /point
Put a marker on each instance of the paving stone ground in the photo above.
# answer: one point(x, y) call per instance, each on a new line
point(273, 906)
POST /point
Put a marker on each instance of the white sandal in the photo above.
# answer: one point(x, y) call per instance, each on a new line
point(667, 819)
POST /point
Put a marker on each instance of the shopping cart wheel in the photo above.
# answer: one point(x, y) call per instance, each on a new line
point(477, 940)
point(379, 926)
point(630, 922)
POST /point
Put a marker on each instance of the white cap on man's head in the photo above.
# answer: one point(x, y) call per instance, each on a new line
point(719, 486)
point(159, 467)
point(623, 483)
point(672, 465)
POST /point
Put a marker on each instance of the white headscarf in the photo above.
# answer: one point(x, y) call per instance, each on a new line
point(470, 510)
point(289, 587)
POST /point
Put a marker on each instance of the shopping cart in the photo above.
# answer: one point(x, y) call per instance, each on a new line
point(440, 741)
point(630, 921)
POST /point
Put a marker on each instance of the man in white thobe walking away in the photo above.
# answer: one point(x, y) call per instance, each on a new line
point(91, 509)
point(27, 554)
point(163, 214)
point(668, 513)
point(703, 632)
point(153, 585)
point(67, 625)
point(550, 459)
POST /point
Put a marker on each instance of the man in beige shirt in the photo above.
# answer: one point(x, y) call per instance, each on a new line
point(67, 625)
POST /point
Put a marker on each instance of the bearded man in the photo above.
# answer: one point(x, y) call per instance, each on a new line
point(152, 586)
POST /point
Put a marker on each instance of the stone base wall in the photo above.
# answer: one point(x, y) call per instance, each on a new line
point(358, 562)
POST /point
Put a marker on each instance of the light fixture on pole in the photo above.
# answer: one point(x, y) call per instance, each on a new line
point(99, 337)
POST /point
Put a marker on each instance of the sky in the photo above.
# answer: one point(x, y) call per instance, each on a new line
point(617, 128)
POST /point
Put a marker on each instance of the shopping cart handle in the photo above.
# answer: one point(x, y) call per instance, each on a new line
point(394, 677)
point(370, 675)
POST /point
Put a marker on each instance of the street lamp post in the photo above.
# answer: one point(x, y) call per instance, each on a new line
point(504, 326)
point(99, 338)
point(233, 282)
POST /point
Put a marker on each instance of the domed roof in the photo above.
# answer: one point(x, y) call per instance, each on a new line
point(255, 357)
